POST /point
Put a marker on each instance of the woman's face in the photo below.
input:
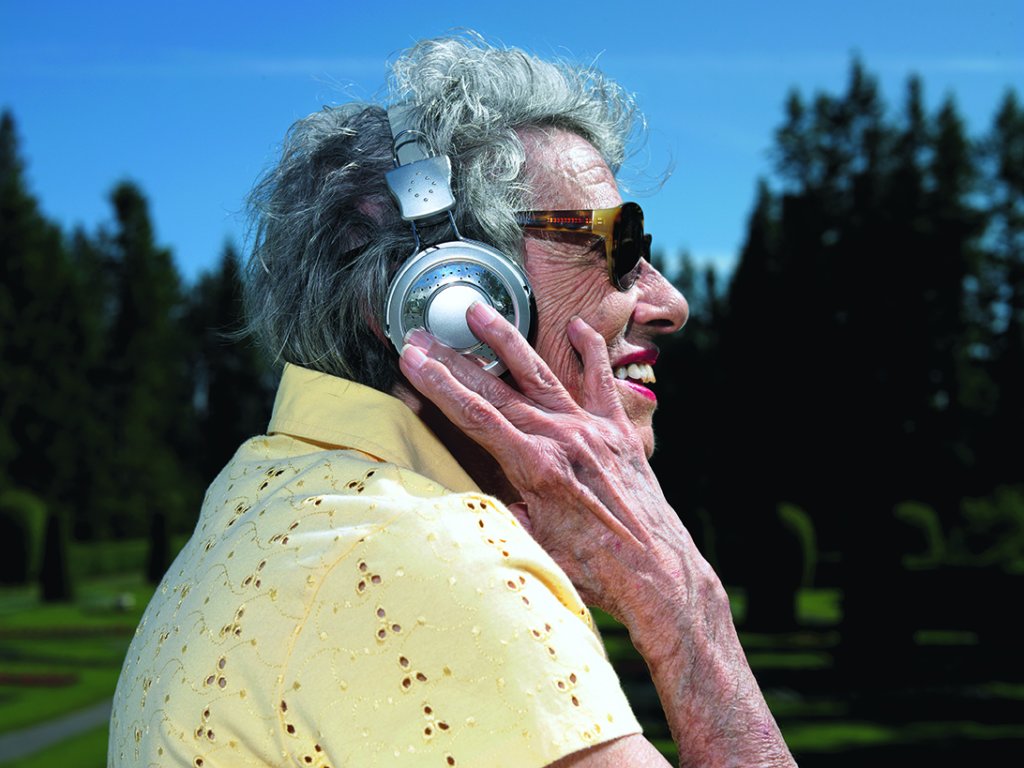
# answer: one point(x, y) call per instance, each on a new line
point(570, 277)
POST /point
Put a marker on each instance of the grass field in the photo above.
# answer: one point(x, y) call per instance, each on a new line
point(56, 659)
point(64, 657)
point(86, 750)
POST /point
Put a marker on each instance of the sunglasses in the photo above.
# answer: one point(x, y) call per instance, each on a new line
point(621, 228)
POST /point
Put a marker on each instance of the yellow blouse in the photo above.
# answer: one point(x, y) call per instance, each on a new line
point(350, 598)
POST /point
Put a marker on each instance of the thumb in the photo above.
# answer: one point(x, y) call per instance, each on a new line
point(522, 514)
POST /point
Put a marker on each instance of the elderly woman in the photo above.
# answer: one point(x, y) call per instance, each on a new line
point(398, 572)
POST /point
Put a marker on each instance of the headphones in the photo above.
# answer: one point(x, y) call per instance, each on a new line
point(438, 283)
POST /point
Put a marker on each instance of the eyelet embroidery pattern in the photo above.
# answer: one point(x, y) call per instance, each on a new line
point(302, 601)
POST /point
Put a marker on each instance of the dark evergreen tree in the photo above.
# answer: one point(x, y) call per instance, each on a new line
point(999, 306)
point(32, 255)
point(148, 392)
point(158, 554)
point(847, 345)
point(794, 371)
point(758, 342)
point(687, 419)
point(54, 571)
point(46, 348)
point(97, 459)
point(234, 384)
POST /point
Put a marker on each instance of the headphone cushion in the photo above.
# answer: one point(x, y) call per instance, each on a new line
point(435, 287)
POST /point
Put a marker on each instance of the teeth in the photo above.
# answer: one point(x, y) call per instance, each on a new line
point(639, 372)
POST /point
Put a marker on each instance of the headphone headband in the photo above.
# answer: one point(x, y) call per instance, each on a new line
point(407, 148)
point(436, 285)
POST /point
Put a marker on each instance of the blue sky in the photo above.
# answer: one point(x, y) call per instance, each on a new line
point(191, 99)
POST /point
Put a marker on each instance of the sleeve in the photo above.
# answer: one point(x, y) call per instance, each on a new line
point(447, 637)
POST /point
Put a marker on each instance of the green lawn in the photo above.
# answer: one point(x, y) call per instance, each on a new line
point(24, 706)
point(85, 642)
point(820, 727)
point(87, 750)
point(74, 651)
point(842, 736)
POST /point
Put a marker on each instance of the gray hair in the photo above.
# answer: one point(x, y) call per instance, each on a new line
point(326, 234)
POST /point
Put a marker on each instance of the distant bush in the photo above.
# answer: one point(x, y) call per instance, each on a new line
point(108, 558)
point(991, 530)
point(22, 518)
point(799, 523)
point(988, 533)
point(113, 558)
point(54, 570)
point(931, 549)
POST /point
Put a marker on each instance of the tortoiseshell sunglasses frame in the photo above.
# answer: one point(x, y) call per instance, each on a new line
point(604, 223)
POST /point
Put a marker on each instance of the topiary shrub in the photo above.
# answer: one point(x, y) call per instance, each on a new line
point(991, 530)
point(54, 573)
point(22, 517)
point(798, 522)
point(931, 546)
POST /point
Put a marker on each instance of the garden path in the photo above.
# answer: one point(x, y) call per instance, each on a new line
point(24, 742)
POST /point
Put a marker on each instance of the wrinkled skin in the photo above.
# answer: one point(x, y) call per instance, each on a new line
point(570, 279)
point(588, 493)
point(573, 444)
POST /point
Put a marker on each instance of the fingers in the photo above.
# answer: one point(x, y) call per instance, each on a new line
point(469, 373)
point(469, 411)
point(521, 513)
point(530, 373)
point(600, 393)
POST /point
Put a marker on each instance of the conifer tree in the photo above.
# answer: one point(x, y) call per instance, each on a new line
point(148, 394)
point(688, 382)
point(55, 571)
point(1000, 300)
point(45, 390)
point(96, 462)
point(847, 343)
point(234, 384)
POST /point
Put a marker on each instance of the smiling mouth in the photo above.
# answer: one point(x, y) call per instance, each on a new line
point(636, 373)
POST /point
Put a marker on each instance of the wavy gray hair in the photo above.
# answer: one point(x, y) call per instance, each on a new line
point(326, 234)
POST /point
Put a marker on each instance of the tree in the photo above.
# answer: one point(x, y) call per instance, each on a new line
point(54, 572)
point(688, 379)
point(44, 384)
point(873, 332)
point(147, 394)
point(999, 299)
point(233, 383)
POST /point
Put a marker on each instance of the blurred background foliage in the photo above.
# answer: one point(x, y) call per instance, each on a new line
point(840, 428)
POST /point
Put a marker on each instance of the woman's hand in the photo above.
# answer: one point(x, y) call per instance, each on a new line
point(592, 501)
point(591, 498)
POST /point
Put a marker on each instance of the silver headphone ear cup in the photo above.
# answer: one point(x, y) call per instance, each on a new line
point(434, 288)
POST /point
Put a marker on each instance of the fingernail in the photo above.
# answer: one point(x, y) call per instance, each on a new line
point(483, 311)
point(419, 337)
point(413, 356)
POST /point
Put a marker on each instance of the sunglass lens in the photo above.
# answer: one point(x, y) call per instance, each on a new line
point(631, 245)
